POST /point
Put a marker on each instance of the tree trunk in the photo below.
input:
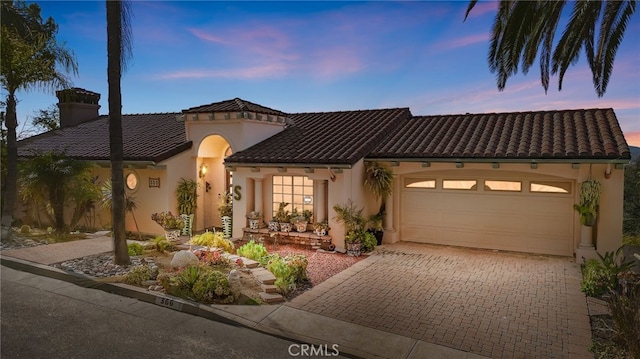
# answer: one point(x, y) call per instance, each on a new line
point(114, 71)
point(12, 168)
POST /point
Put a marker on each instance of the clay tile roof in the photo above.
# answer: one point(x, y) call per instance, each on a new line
point(235, 105)
point(567, 134)
point(146, 137)
point(324, 138)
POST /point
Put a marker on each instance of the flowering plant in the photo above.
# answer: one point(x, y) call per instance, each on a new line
point(167, 220)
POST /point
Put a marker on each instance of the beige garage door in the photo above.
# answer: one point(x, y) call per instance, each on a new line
point(514, 215)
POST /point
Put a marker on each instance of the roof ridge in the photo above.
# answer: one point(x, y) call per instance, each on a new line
point(353, 111)
point(518, 112)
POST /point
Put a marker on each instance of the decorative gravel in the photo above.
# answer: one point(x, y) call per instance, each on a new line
point(100, 265)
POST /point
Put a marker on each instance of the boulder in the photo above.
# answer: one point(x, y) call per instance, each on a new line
point(183, 259)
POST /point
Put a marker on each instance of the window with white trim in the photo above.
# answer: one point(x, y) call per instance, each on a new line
point(295, 190)
point(550, 187)
point(419, 183)
point(501, 185)
point(459, 184)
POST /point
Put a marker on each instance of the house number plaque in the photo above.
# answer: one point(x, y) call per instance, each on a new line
point(154, 181)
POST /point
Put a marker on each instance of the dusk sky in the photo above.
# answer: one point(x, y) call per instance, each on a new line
point(323, 56)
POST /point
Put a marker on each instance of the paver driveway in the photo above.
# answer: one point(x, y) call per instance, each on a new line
point(497, 304)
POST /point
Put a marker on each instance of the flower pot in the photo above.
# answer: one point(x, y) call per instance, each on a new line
point(285, 227)
point(226, 227)
point(320, 232)
point(301, 227)
point(354, 249)
point(377, 234)
point(254, 223)
point(172, 234)
point(274, 226)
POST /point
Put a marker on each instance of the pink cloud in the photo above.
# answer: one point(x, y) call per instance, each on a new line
point(633, 138)
point(450, 44)
point(268, 70)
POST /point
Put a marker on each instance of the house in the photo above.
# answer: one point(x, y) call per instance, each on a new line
point(505, 181)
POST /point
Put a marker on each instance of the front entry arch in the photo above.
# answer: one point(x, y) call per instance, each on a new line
point(213, 179)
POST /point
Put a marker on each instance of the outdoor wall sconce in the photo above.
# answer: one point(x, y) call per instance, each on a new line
point(207, 186)
point(607, 172)
point(203, 170)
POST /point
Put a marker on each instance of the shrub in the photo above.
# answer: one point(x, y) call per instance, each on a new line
point(369, 241)
point(138, 274)
point(252, 250)
point(25, 229)
point(210, 239)
point(135, 249)
point(601, 276)
point(288, 271)
point(625, 312)
point(199, 283)
point(212, 286)
point(161, 244)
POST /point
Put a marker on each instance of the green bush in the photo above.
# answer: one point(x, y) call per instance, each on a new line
point(289, 271)
point(253, 250)
point(595, 281)
point(161, 244)
point(212, 287)
point(369, 241)
point(199, 283)
point(210, 239)
point(135, 249)
point(138, 274)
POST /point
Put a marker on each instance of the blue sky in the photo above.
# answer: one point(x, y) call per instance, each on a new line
point(323, 56)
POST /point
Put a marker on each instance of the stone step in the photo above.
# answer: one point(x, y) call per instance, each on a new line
point(270, 298)
point(249, 263)
point(266, 278)
point(269, 288)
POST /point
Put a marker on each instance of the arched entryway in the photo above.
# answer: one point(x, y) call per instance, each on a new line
point(213, 178)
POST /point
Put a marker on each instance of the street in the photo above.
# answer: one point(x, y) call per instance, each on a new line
point(47, 318)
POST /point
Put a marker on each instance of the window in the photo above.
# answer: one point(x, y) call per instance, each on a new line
point(296, 190)
point(550, 187)
point(419, 183)
point(131, 180)
point(509, 186)
point(459, 184)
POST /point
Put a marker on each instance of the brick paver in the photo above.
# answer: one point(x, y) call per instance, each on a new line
point(496, 304)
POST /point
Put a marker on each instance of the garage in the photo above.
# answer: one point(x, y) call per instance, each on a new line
point(514, 213)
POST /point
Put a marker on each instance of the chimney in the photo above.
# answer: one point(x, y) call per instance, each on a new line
point(77, 105)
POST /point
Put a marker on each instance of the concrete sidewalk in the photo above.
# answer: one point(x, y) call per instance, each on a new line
point(280, 320)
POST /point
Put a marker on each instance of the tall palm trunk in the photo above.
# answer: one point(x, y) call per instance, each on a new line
point(114, 73)
point(12, 167)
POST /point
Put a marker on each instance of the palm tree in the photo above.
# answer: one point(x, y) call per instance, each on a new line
point(522, 28)
point(30, 58)
point(118, 52)
point(56, 180)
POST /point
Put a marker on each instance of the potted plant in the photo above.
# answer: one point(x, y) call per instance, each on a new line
point(590, 191)
point(320, 228)
point(170, 223)
point(300, 220)
point(187, 195)
point(225, 206)
point(378, 180)
point(254, 218)
point(283, 217)
point(354, 223)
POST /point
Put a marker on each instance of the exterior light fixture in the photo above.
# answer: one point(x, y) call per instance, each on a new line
point(203, 170)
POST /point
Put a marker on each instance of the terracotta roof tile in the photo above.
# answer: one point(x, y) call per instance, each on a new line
point(324, 138)
point(235, 105)
point(568, 134)
point(146, 137)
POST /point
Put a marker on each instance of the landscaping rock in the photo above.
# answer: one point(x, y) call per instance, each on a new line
point(183, 259)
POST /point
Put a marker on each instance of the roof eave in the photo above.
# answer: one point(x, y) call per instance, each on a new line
point(499, 160)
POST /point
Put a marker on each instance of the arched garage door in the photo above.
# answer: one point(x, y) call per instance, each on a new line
point(515, 214)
